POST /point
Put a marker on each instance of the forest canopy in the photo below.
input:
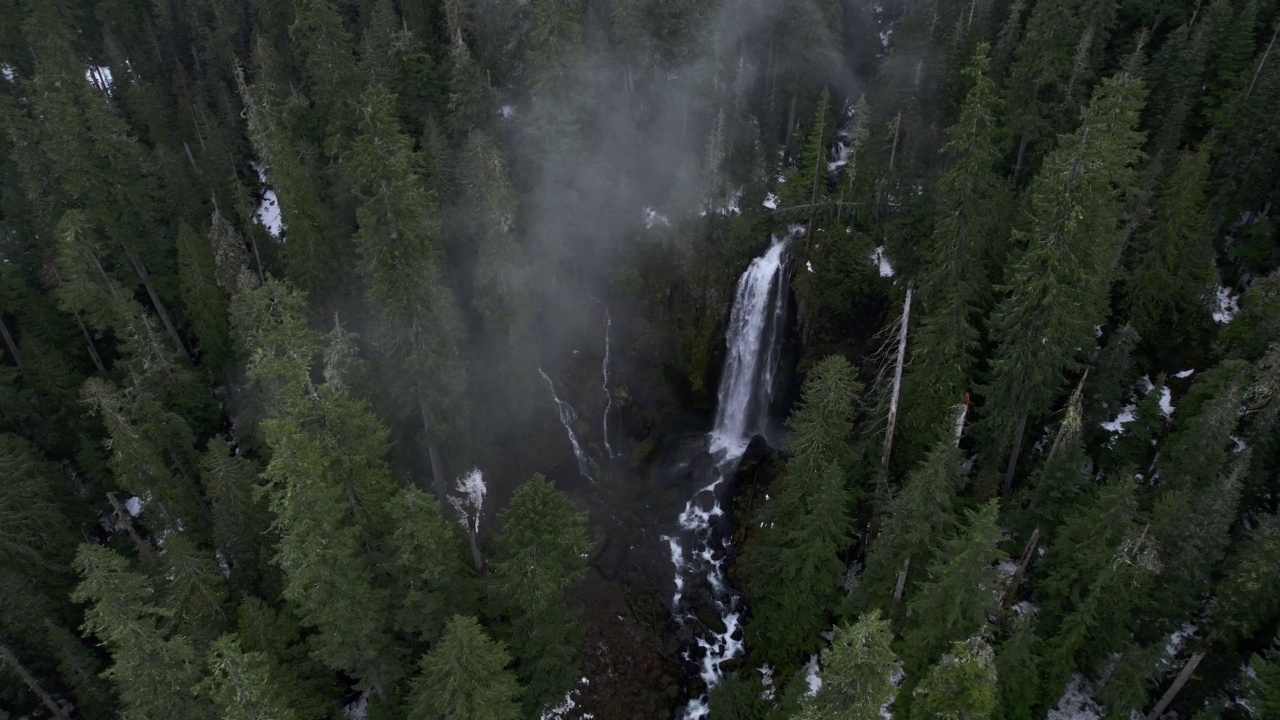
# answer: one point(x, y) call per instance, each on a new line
point(552, 359)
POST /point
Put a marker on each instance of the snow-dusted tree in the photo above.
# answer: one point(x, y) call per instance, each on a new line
point(240, 684)
point(960, 686)
point(859, 673)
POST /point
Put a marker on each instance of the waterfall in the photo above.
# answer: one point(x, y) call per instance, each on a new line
point(567, 418)
point(752, 351)
point(604, 371)
point(698, 549)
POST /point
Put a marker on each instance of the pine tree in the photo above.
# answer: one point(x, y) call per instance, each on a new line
point(963, 590)
point(426, 563)
point(1264, 686)
point(859, 673)
point(794, 560)
point(420, 324)
point(1250, 573)
point(1060, 283)
point(1171, 277)
point(1018, 671)
point(241, 522)
point(465, 676)
point(154, 674)
point(541, 551)
point(956, 287)
point(916, 522)
point(205, 302)
point(240, 684)
point(961, 686)
point(36, 537)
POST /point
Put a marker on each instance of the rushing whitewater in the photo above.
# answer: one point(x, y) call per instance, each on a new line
point(698, 549)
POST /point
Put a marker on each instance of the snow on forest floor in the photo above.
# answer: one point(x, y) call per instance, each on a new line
point(268, 212)
point(1226, 307)
point(1077, 702)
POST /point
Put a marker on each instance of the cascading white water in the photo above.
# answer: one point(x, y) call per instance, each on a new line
point(604, 371)
point(567, 418)
point(753, 350)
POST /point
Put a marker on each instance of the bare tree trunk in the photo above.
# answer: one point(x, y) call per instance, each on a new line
point(141, 270)
point(8, 340)
point(1013, 457)
point(1072, 404)
point(1176, 687)
point(1022, 155)
point(897, 384)
point(1022, 567)
point(54, 708)
point(791, 120)
point(1263, 61)
point(961, 416)
point(476, 560)
point(902, 580)
point(93, 349)
point(438, 481)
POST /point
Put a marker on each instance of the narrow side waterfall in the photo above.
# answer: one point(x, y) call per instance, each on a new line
point(567, 418)
point(604, 371)
point(699, 548)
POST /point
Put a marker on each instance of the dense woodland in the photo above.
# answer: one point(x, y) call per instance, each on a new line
point(276, 275)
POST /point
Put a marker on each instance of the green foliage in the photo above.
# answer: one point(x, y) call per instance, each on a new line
point(240, 684)
point(1264, 689)
point(1018, 672)
point(206, 303)
point(793, 562)
point(963, 589)
point(859, 673)
point(1060, 282)
point(465, 677)
point(916, 522)
point(153, 672)
point(961, 686)
point(541, 551)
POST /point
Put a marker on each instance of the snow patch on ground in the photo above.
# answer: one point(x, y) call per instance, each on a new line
point(886, 710)
point(1117, 425)
point(268, 212)
point(1184, 374)
point(881, 259)
point(99, 76)
point(1077, 702)
point(1227, 305)
point(1178, 640)
point(770, 201)
point(134, 505)
point(811, 676)
point(507, 111)
point(359, 709)
point(653, 218)
point(1166, 401)
point(808, 265)
point(8, 72)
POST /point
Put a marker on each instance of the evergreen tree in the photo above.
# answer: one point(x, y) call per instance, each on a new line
point(961, 686)
point(205, 302)
point(794, 560)
point(240, 684)
point(1171, 277)
point(955, 289)
point(541, 551)
point(1264, 685)
point(465, 677)
point(963, 590)
point(420, 325)
point(241, 522)
point(859, 673)
point(153, 673)
point(917, 521)
point(1059, 284)
point(1018, 671)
